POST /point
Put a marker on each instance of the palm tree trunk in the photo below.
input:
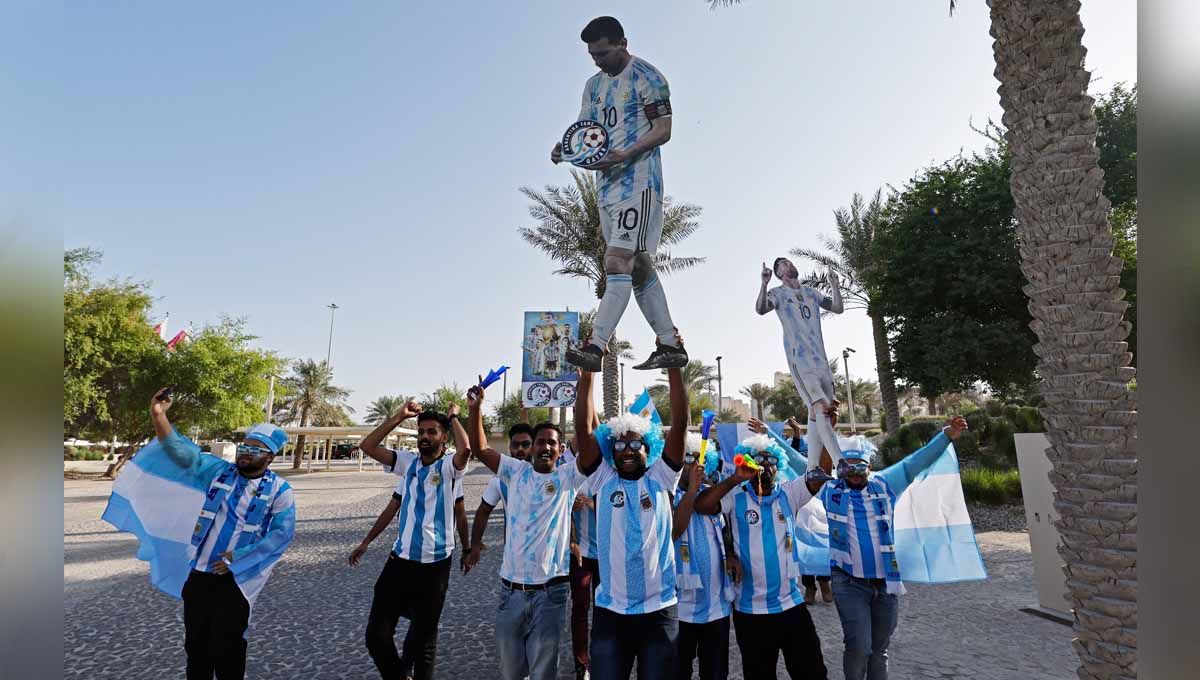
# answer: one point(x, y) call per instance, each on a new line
point(612, 385)
point(1076, 303)
point(931, 402)
point(298, 452)
point(887, 379)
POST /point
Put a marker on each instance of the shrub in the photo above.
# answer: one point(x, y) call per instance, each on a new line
point(871, 433)
point(1012, 412)
point(890, 450)
point(994, 408)
point(994, 487)
point(1004, 447)
point(1029, 420)
point(924, 430)
point(967, 446)
point(979, 423)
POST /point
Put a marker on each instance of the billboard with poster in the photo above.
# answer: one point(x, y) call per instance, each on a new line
point(547, 380)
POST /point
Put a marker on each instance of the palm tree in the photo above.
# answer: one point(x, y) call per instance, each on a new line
point(1066, 246)
point(758, 393)
point(697, 377)
point(849, 255)
point(312, 399)
point(568, 231)
point(385, 407)
point(611, 374)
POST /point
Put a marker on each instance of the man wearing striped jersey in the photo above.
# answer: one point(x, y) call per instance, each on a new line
point(632, 100)
point(633, 475)
point(520, 442)
point(769, 614)
point(389, 513)
point(534, 586)
point(799, 309)
point(585, 569)
point(862, 551)
point(247, 522)
point(414, 579)
point(706, 568)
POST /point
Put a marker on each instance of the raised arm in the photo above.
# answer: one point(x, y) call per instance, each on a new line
point(182, 452)
point(834, 302)
point(677, 438)
point(587, 450)
point(372, 444)
point(709, 500)
point(462, 444)
point(683, 512)
point(477, 434)
point(902, 474)
point(764, 303)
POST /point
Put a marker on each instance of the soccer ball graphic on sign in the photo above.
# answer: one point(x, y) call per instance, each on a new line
point(594, 138)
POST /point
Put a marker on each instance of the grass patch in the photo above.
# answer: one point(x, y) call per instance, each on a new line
point(991, 486)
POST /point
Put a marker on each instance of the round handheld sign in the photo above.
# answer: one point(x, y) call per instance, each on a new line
point(584, 143)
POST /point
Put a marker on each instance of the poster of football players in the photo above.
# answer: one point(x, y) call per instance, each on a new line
point(546, 377)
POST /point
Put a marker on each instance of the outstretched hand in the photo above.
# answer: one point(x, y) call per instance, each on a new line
point(160, 406)
point(957, 426)
point(474, 396)
point(757, 426)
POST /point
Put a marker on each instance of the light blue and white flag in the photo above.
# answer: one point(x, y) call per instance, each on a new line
point(644, 407)
point(935, 542)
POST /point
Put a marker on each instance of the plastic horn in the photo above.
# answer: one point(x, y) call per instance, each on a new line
point(493, 376)
point(740, 460)
point(705, 428)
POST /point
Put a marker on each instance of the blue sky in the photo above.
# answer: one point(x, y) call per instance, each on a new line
point(264, 161)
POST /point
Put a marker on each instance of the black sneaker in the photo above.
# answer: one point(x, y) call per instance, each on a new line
point(590, 358)
point(664, 356)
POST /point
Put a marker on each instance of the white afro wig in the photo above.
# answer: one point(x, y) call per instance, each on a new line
point(628, 422)
point(693, 443)
point(756, 443)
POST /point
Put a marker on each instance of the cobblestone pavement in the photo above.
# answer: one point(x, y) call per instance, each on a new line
point(309, 619)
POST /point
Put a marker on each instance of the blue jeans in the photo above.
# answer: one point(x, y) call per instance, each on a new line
point(869, 615)
point(619, 639)
point(529, 626)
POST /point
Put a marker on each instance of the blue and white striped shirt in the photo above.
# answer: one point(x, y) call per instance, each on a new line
point(764, 537)
point(700, 569)
point(229, 529)
point(537, 545)
point(427, 500)
point(619, 102)
point(799, 312)
point(633, 537)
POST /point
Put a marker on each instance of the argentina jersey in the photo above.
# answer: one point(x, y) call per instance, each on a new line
point(494, 493)
point(633, 539)
point(864, 511)
point(799, 311)
point(230, 530)
point(584, 520)
point(537, 505)
point(764, 536)
point(426, 511)
point(700, 569)
point(627, 105)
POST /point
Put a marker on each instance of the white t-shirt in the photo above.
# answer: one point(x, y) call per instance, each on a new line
point(537, 544)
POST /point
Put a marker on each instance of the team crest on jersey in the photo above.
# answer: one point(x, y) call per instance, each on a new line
point(751, 517)
point(617, 499)
point(836, 498)
point(684, 553)
point(550, 488)
point(435, 479)
point(647, 503)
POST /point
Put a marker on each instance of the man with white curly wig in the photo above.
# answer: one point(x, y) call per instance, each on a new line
point(633, 473)
point(761, 499)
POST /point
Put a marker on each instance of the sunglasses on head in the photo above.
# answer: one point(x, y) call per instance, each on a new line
point(635, 445)
point(248, 450)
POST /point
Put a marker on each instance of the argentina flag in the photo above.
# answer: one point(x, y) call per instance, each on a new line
point(644, 407)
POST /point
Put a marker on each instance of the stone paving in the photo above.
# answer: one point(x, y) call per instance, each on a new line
point(309, 619)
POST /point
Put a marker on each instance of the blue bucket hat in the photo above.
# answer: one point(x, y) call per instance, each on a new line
point(271, 436)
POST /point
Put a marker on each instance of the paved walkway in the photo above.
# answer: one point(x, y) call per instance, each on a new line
point(309, 619)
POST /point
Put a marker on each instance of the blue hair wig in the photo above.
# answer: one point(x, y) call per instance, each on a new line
point(653, 438)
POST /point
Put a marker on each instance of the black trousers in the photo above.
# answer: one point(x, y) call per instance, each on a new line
point(215, 617)
point(707, 641)
point(761, 637)
point(810, 581)
point(417, 592)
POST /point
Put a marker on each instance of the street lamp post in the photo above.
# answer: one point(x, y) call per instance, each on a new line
point(328, 350)
point(720, 399)
point(849, 388)
point(271, 398)
point(622, 386)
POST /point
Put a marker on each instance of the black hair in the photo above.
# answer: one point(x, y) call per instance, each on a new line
point(603, 27)
point(547, 426)
point(776, 265)
point(520, 428)
point(441, 418)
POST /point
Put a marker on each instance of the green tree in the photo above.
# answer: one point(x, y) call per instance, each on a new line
point(1116, 142)
point(313, 400)
point(785, 401)
point(697, 379)
point(949, 279)
point(568, 231)
point(508, 413)
point(758, 394)
point(385, 407)
point(851, 256)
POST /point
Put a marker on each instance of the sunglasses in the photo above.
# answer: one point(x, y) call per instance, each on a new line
point(859, 468)
point(247, 450)
point(520, 445)
point(766, 459)
point(635, 445)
